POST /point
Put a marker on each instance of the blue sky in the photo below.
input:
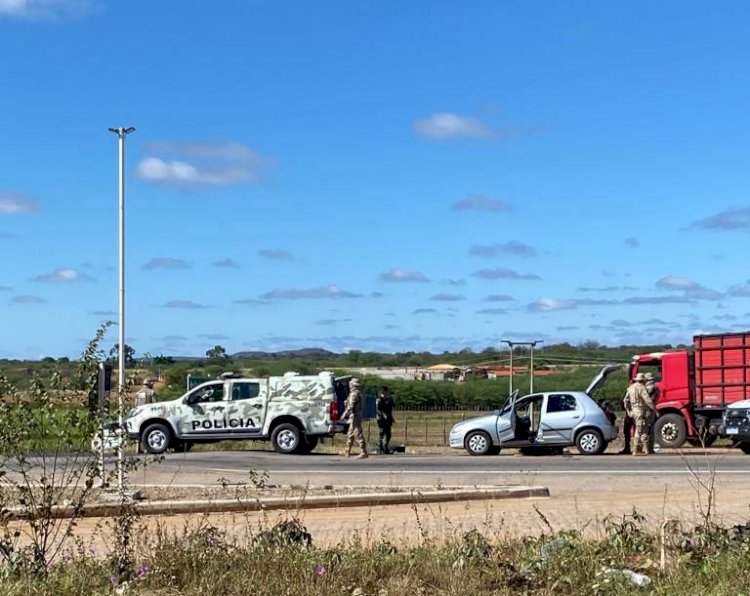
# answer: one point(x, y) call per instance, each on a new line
point(378, 176)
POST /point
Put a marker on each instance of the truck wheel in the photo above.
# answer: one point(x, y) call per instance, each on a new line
point(286, 438)
point(745, 447)
point(670, 430)
point(590, 442)
point(307, 444)
point(156, 439)
point(478, 442)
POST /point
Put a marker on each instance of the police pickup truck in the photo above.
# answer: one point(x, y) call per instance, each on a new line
point(736, 424)
point(292, 411)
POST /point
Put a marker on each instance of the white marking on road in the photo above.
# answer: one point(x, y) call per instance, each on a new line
point(496, 472)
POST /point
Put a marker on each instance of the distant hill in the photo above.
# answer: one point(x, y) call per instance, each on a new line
point(311, 353)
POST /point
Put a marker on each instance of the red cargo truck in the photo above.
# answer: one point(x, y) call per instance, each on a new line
point(696, 386)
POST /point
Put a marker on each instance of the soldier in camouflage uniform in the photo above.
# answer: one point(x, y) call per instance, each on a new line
point(355, 412)
point(146, 395)
point(653, 393)
point(641, 408)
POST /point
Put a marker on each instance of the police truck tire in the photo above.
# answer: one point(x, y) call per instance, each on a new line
point(307, 444)
point(670, 431)
point(589, 441)
point(478, 442)
point(156, 438)
point(286, 438)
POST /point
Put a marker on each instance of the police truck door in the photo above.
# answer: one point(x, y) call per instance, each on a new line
point(247, 406)
point(205, 408)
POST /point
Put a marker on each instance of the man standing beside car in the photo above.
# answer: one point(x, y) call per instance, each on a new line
point(384, 407)
point(641, 408)
point(355, 412)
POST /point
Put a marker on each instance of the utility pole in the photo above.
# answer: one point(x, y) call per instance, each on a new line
point(532, 345)
point(121, 134)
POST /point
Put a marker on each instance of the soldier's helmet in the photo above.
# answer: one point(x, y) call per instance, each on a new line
point(649, 376)
point(640, 377)
point(354, 382)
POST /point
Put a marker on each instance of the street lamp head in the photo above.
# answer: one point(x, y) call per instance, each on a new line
point(122, 131)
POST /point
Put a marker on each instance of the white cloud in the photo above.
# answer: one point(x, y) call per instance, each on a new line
point(502, 273)
point(227, 264)
point(451, 126)
point(275, 254)
point(166, 263)
point(675, 282)
point(188, 304)
point(63, 275)
point(300, 294)
point(448, 297)
point(14, 203)
point(401, 275)
point(480, 203)
point(514, 247)
point(550, 305)
point(26, 299)
point(39, 10)
point(210, 164)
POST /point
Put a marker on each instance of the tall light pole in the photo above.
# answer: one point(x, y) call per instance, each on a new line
point(121, 134)
point(531, 344)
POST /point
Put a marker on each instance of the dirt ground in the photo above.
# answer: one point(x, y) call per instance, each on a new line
point(576, 504)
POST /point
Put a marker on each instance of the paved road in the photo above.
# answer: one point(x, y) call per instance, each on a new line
point(422, 470)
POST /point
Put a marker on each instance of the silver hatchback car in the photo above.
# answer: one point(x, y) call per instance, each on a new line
point(541, 423)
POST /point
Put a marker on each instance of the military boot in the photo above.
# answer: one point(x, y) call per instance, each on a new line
point(363, 455)
point(348, 451)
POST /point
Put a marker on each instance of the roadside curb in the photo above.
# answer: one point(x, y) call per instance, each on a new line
point(298, 503)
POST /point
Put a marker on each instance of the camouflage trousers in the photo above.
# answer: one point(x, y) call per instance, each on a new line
point(641, 435)
point(355, 433)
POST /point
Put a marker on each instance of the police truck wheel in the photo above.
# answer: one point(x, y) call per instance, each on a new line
point(590, 442)
point(478, 442)
point(670, 430)
point(156, 438)
point(307, 444)
point(286, 438)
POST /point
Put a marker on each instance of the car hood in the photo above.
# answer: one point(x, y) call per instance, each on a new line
point(478, 421)
point(740, 405)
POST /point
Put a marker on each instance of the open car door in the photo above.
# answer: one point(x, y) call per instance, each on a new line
point(506, 420)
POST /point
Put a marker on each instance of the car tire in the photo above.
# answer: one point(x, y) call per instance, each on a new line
point(478, 442)
point(670, 431)
point(590, 441)
point(745, 447)
point(156, 439)
point(286, 438)
point(307, 444)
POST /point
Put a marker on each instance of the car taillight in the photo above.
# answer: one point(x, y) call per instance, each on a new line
point(333, 411)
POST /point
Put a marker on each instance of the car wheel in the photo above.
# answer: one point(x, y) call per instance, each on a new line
point(670, 430)
point(286, 438)
point(156, 439)
point(307, 444)
point(478, 442)
point(745, 447)
point(590, 442)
